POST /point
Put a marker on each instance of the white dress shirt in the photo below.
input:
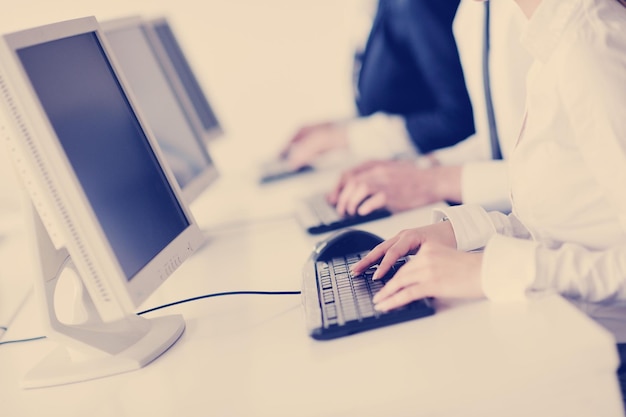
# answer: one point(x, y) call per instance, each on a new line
point(484, 181)
point(567, 230)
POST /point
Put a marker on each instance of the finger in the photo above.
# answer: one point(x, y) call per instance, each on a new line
point(333, 196)
point(393, 253)
point(361, 192)
point(365, 166)
point(302, 132)
point(372, 257)
point(301, 154)
point(347, 176)
point(374, 202)
point(402, 297)
point(405, 277)
point(344, 197)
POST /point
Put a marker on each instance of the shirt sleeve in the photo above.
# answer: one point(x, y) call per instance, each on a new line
point(509, 255)
point(514, 264)
point(483, 181)
point(474, 148)
point(380, 135)
point(486, 183)
point(474, 226)
point(513, 267)
point(434, 49)
point(596, 75)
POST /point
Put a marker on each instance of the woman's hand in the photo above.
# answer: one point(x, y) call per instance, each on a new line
point(407, 242)
point(435, 271)
point(396, 185)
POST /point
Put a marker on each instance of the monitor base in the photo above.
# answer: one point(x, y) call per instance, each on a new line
point(63, 366)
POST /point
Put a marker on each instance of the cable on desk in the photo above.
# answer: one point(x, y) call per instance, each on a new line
point(187, 300)
point(30, 339)
point(219, 294)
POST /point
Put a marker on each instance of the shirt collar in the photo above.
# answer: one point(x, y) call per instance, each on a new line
point(546, 26)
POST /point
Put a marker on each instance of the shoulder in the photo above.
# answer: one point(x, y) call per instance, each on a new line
point(594, 45)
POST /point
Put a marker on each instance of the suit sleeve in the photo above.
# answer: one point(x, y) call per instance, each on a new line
point(433, 50)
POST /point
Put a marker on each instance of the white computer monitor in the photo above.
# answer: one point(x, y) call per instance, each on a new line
point(175, 60)
point(161, 99)
point(107, 213)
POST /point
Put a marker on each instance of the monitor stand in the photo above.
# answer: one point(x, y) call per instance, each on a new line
point(88, 347)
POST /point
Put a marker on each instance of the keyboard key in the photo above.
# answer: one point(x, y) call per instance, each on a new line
point(347, 299)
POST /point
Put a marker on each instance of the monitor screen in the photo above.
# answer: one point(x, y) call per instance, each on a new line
point(106, 146)
point(186, 75)
point(159, 102)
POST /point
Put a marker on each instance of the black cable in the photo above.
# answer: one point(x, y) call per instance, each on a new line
point(23, 340)
point(218, 294)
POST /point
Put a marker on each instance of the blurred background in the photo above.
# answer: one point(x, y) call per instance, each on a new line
point(266, 66)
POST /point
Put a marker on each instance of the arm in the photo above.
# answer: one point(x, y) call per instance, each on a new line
point(513, 267)
point(513, 264)
point(437, 270)
point(380, 135)
point(590, 266)
point(411, 68)
point(486, 183)
point(434, 51)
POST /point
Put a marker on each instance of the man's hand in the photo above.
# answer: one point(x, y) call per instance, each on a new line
point(311, 141)
point(395, 185)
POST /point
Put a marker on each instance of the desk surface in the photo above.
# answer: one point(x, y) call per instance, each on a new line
point(250, 355)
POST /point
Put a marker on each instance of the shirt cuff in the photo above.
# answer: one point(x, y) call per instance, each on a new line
point(471, 224)
point(379, 136)
point(508, 268)
point(486, 184)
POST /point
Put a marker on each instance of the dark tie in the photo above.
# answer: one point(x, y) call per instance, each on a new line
point(493, 131)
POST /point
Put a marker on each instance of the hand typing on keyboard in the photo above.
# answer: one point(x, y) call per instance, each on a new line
point(436, 270)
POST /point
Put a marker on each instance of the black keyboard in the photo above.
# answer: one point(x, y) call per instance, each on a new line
point(279, 169)
point(344, 302)
point(317, 216)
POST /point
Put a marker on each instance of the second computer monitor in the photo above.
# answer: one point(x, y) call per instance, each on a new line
point(161, 101)
point(164, 38)
point(108, 217)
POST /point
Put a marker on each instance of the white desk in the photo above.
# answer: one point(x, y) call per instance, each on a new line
point(250, 355)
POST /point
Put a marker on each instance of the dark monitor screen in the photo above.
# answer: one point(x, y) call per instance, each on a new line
point(186, 75)
point(182, 145)
point(106, 147)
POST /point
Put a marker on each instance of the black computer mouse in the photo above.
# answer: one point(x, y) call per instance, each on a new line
point(345, 241)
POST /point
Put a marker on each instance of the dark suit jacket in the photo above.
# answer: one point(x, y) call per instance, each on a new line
point(411, 67)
